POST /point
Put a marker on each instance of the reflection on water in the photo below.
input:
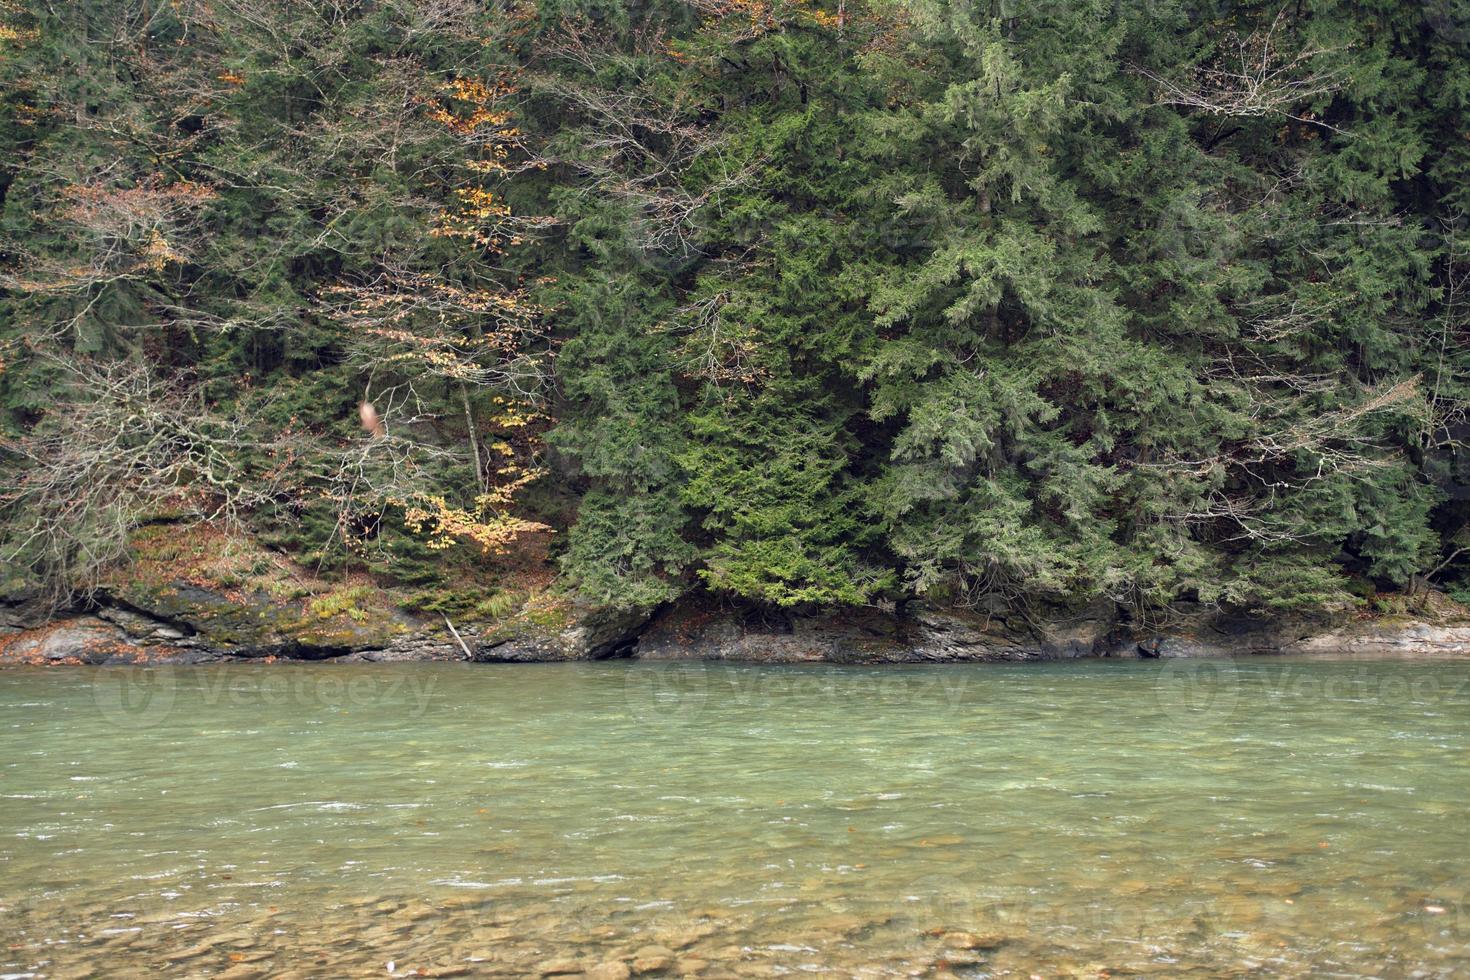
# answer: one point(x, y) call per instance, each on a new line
point(1144, 818)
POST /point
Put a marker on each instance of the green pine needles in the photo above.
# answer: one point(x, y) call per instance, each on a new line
point(808, 303)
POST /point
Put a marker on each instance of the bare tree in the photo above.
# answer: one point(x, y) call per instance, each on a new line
point(1260, 74)
point(634, 141)
point(128, 445)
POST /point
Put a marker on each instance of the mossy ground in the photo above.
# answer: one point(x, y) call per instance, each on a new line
point(236, 591)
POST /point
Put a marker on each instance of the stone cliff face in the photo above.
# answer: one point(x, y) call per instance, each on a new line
point(189, 624)
point(186, 624)
point(924, 634)
point(917, 634)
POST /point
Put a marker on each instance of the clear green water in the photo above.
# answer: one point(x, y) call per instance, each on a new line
point(1165, 819)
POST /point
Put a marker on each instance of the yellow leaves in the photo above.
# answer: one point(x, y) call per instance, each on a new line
point(476, 110)
point(500, 496)
point(495, 165)
point(483, 218)
point(478, 336)
point(475, 202)
point(480, 101)
point(489, 528)
point(17, 35)
point(512, 414)
point(476, 91)
point(477, 119)
point(487, 523)
point(158, 253)
point(477, 209)
point(513, 418)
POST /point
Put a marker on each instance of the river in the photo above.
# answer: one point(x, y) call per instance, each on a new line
point(1175, 818)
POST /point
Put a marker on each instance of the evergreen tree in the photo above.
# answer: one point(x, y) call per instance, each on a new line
point(828, 303)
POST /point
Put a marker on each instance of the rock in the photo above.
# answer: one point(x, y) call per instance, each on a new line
point(417, 911)
point(651, 959)
point(79, 640)
point(696, 629)
point(839, 924)
point(944, 635)
point(190, 952)
point(755, 969)
point(691, 630)
point(681, 938)
point(184, 622)
point(25, 609)
point(141, 628)
point(406, 649)
point(1391, 638)
point(962, 957)
point(573, 632)
point(78, 972)
point(181, 622)
point(918, 633)
point(970, 940)
point(560, 966)
point(998, 634)
point(1204, 631)
point(611, 970)
point(690, 966)
point(242, 971)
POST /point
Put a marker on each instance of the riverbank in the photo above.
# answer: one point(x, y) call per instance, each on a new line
point(187, 623)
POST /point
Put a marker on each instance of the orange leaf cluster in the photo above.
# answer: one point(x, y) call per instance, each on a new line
point(149, 202)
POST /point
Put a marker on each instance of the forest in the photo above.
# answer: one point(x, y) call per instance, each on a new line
point(803, 303)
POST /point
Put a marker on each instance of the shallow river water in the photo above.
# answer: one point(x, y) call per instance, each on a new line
point(1210, 818)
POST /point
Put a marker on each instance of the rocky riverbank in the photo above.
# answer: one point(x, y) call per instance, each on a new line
point(183, 623)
